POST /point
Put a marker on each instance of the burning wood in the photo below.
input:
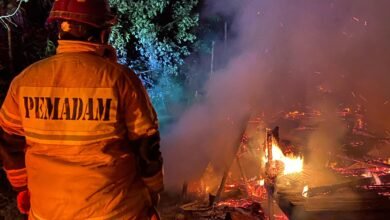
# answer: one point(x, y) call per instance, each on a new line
point(240, 197)
point(227, 169)
point(294, 115)
point(366, 161)
point(281, 176)
point(323, 190)
point(376, 174)
point(248, 210)
point(299, 115)
point(276, 162)
point(370, 182)
point(232, 209)
point(305, 191)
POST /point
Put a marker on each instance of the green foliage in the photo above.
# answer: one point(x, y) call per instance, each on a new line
point(153, 37)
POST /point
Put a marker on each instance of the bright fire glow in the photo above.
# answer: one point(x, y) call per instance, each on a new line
point(292, 164)
point(261, 182)
point(305, 191)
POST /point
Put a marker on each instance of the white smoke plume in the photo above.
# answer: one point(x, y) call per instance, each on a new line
point(286, 53)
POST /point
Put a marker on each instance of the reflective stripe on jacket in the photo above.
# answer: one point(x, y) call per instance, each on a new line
point(79, 111)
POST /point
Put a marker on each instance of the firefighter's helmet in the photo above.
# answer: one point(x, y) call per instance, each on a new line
point(92, 12)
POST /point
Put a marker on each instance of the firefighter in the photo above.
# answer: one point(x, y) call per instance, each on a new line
point(79, 138)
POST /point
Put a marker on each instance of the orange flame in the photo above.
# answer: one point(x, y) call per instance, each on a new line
point(292, 164)
point(305, 191)
point(261, 182)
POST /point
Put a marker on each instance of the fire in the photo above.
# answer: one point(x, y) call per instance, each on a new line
point(294, 115)
point(256, 189)
point(292, 164)
point(305, 191)
point(261, 182)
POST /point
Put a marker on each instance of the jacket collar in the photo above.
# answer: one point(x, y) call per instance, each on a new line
point(70, 46)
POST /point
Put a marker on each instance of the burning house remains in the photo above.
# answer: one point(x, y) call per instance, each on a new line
point(267, 178)
point(292, 123)
point(319, 71)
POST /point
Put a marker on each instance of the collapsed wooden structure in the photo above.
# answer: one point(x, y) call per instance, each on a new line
point(359, 191)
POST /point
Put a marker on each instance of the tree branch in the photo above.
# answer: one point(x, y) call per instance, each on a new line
point(13, 13)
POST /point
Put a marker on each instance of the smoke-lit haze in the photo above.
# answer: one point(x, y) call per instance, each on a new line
point(284, 53)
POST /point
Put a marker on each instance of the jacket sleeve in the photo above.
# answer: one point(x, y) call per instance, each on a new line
point(12, 142)
point(142, 130)
point(10, 119)
point(150, 162)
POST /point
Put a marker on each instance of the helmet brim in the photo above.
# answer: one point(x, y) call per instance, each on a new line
point(98, 22)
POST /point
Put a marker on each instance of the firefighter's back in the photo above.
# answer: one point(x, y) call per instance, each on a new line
point(78, 160)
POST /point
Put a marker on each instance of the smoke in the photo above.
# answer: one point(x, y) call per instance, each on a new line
point(324, 142)
point(321, 53)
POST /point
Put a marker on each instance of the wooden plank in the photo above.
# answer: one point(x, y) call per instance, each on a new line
point(365, 207)
point(336, 196)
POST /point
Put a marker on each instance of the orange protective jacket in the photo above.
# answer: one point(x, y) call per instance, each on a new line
point(84, 118)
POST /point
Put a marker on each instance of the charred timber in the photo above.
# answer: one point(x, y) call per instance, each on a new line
point(227, 169)
point(332, 188)
point(365, 161)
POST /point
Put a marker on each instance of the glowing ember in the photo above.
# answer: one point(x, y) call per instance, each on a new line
point(376, 179)
point(385, 194)
point(235, 203)
point(305, 191)
point(292, 164)
point(294, 115)
point(280, 217)
point(365, 172)
point(231, 185)
point(256, 190)
point(261, 182)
